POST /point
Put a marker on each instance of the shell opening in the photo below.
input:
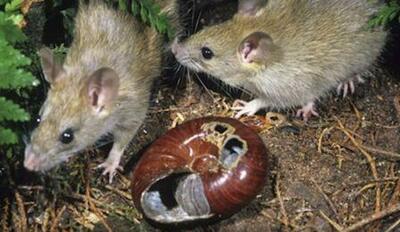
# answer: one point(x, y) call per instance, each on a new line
point(175, 198)
point(233, 149)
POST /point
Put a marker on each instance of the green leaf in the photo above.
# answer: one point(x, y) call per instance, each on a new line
point(12, 112)
point(7, 136)
point(386, 14)
point(150, 13)
point(9, 31)
point(11, 76)
point(14, 5)
point(135, 7)
point(3, 2)
point(122, 5)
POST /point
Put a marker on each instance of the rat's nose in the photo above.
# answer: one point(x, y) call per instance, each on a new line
point(32, 160)
point(175, 47)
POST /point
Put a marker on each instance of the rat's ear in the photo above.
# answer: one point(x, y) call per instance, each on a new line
point(250, 7)
point(255, 48)
point(51, 69)
point(102, 89)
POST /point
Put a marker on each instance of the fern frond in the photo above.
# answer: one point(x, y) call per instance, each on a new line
point(9, 111)
point(11, 76)
point(150, 13)
point(7, 136)
point(387, 14)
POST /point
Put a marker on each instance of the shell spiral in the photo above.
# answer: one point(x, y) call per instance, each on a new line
point(206, 167)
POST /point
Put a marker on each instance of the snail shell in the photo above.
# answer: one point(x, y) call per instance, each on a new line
point(203, 168)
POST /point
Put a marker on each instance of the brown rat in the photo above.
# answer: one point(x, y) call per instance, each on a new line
point(288, 53)
point(102, 87)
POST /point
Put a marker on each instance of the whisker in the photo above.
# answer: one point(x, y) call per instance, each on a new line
point(204, 86)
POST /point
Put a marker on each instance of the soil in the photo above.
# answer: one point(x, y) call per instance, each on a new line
point(334, 172)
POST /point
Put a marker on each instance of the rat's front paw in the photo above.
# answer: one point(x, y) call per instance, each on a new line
point(247, 108)
point(307, 111)
point(110, 168)
point(348, 86)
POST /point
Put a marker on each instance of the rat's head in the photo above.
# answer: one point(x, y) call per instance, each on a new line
point(75, 114)
point(231, 49)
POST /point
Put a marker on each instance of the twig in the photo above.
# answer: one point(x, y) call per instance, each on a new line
point(282, 206)
point(98, 213)
point(53, 227)
point(31, 188)
point(366, 187)
point(396, 102)
point(21, 211)
point(330, 203)
point(396, 193)
point(280, 221)
point(5, 213)
point(92, 205)
point(393, 226)
point(371, 162)
point(45, 221)
point(119, 192)
point(387, 154)
point(325, 131)
point(334, 224)
point(365, 182)
point(374, 217)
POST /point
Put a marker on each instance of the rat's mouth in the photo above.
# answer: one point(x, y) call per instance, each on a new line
point(43, 162)
point(190, 63)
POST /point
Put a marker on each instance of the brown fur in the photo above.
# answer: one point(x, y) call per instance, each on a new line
point(319, 43)
point(107, 38)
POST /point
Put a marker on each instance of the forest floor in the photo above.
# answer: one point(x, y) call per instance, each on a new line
point(337, 172)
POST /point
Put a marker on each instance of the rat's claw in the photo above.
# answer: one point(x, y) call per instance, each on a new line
point(348, 86)
point(246, 111)
point(238, 104)
point(247, 108)
point(110, 168)
point(307, 111)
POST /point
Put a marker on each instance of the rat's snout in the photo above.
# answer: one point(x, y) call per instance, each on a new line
point(32, 160)
point(175, 46)
point(177, 49)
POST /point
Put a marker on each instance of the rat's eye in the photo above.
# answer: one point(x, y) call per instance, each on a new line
point(207, 53)
point(36, 121)
point(67, 136)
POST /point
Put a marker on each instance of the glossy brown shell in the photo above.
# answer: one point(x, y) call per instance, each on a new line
point(195, 147)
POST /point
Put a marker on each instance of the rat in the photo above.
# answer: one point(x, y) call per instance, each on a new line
point(287, 53)
point(103, 87)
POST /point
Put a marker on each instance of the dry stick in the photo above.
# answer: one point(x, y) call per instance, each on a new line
point(21, 211)
point(389, 154)
point(45, 220)
point(374, 217)
point(280, 221)
point(325, 131)
point(123, 194)
point(396, 194)
point(358, 115)
point(5, 213)
point(53, 227)
point(96, 210)
point(371, 162)
point(383, 180)
point(283, 211)
point(396, 102)
point(89, 200)
point(330, 203)
point(393, 226)
point(334, 224)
